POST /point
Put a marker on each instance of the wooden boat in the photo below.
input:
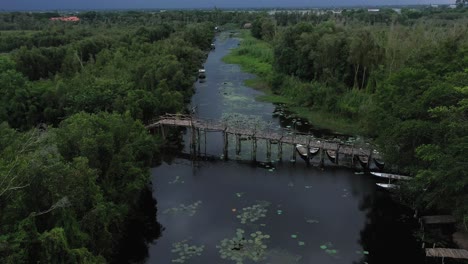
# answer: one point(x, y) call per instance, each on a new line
point(363, 160)
point(331, 155)
point(388, 185)
point(391, 176)
point(201, 73)
point(302, 150)
point(379, 163)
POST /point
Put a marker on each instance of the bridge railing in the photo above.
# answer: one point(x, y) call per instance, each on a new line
point(362, 149)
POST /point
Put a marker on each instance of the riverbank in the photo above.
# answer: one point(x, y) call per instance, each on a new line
point(256, 57)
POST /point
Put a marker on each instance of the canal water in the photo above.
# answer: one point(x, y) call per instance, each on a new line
point(238, 211)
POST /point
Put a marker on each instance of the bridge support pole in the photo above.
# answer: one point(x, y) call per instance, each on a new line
point(268, 143)
point(322, 162)
point(226, 145)
point(198, 142)
point(162, 132)
point(294, 153)
point(204, 134)
point(280, 150)
point(238, 144)
point(336, 154)
point(254, 148)
point(369, 159)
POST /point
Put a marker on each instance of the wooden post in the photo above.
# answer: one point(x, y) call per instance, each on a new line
point(352, 156)
point(294, 152)
point(162, 132)
point(336, 153)
point(204, 132)
point(254, 148)
point(322, 162)
point(226, 145)
point(268, 143)
point(198, 142)
point(280, 150)
point(194, 143)
point(369, 159)
point(308, 150)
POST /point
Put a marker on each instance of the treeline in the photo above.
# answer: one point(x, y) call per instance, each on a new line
point(405, 83)
point(75, 155)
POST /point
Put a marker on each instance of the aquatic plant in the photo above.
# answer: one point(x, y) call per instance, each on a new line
point(328, 248)
point(241, 248)
point(185, 251)
point(253, 213)
point(177, 180)
point(190, 209)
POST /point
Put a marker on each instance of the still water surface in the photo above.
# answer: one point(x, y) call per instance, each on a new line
point(308, 215)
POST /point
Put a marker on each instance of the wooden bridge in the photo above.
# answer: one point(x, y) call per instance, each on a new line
point(276, 137)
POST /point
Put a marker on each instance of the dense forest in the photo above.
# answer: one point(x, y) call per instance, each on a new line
point(402, 77)
point(75, 155)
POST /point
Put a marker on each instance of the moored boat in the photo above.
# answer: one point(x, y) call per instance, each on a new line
point(388, 185)
point(379, 163)
point(302, 150)
point(390, 176)
point(201, 73)
point(363, 160)
point(331, 155)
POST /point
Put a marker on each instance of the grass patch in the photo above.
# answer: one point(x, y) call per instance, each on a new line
point(256, 56)
point(327, 120)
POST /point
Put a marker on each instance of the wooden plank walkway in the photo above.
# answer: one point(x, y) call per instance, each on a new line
point(438, 219)
point(282, 136)
point(447, 253)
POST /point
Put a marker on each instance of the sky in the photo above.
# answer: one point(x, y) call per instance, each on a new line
point(163, 4)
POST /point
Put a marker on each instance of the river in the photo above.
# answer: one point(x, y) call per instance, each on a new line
point(286, 213)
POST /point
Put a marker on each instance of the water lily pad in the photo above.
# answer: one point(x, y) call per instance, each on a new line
point(293, 236)
point(301, 243)
point(323, 247)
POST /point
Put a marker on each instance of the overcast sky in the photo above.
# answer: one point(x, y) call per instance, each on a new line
point(129, 4)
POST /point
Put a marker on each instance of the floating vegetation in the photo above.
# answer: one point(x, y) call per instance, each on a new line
point(253, 213)
point(363, 252)
point(294, 236)
point(185, 251)
point(182, 208)
point(308, 186)
point(328, 248)
point(301, 243)
point(239, 194)
point(176, 180)
point(311, 221)
point(279, 212)
point(241, 248)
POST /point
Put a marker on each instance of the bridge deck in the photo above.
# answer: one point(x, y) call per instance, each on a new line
point(279, 136)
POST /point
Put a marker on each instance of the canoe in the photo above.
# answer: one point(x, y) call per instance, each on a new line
point(388, 185)
point(379, 163)
point(331, 155)
point(302, 150)
point(363, 160)
point(391, 176)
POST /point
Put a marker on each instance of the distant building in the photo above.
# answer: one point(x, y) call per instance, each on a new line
point(397, 10)
point(66, 19)
point(247, 25)
point(373, 10)
point(435, 6)
point(453, 6)
point(337, 12)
